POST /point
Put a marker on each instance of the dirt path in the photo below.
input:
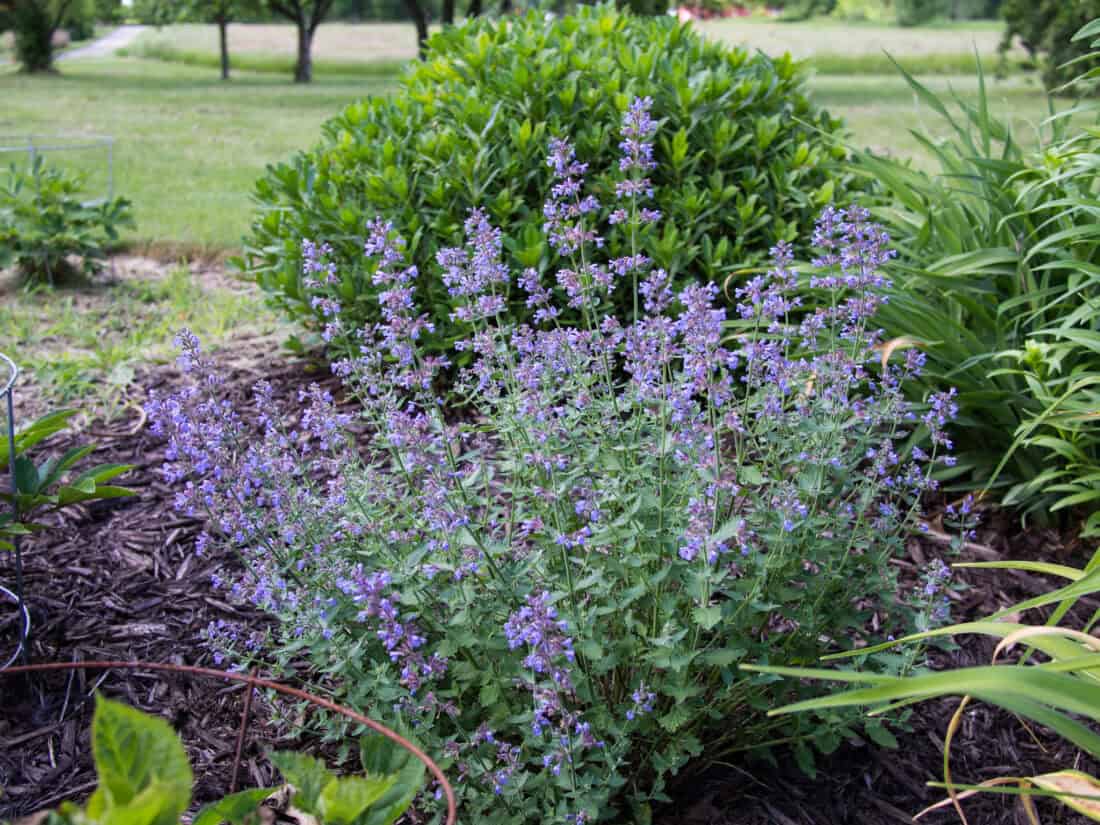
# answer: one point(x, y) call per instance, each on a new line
point(106, 46)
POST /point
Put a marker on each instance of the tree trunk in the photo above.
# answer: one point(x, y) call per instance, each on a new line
point(303, 69)
point(505, 6)
point(448, 12)
point(475, 8)
point(223, 40)
point(416, 11)
point(33, 29)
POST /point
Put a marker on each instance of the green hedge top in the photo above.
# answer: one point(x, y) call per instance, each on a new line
point(744, 157)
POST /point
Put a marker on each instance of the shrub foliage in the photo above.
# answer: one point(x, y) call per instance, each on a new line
point(742, 160)
point(34, 23)
point(45, 217)
point(144, 777)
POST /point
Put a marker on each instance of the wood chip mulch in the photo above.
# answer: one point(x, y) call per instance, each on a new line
point(120, 580)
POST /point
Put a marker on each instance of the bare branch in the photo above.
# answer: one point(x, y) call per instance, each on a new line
point(321, 8)
point(294, 12)
point(62, 10)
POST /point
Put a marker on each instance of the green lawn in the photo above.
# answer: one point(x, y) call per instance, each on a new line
point(189, 147)
point(881, 110)
point(82, 343)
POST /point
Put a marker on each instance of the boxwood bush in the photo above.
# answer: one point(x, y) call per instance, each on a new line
point(745, 159)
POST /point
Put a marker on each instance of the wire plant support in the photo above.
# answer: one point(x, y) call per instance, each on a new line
point(24, 617)
point(35, 146)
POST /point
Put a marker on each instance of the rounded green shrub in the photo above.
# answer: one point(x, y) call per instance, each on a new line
point(746, 158)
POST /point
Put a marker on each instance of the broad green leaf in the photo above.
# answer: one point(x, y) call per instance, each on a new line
point(707, 617)
point(53, 469)
point(677, 716)
point(102, 473)
point(308, 775)
point(132, 751)
point(380, 755)
point(26, 476)
point(35, 432)
point(147, 808)
point(89, 492)
point(344, 799)
point(880, 735)
point(723, 657)
point(409, 781)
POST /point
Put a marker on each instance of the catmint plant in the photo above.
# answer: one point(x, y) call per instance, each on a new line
point(552, 583)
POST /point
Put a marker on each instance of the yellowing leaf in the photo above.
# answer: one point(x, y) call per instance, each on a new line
point(1085, 790)
point(887, 348)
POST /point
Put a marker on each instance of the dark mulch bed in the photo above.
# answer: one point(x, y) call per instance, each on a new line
point(120, 580)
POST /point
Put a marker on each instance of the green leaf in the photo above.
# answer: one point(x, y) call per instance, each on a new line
point(707, 617)
point(749, 474)
point(26, 476)
point(235, 808)
point(394, 802)
point(724, 657)
point(1050, 569)
point(144, 809)
point(678, 716)
point(88, 491)
point(380, 755)
point(880, 735)
point(344, 799)
point(52, 470)
point(132, 751)
point(102, 473)
point(1032, 683)
point(36, 431)
point(309, 777)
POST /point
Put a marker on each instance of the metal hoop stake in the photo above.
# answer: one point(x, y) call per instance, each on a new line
point(21, 605)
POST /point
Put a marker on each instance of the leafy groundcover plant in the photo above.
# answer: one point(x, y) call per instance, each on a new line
point(553, 584)
point(145, 779)
point(40, 488)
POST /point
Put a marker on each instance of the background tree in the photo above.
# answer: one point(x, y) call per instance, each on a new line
point(307, 15)
point(1046, 28)
point(420, 20)
point(221, 13)
point(34, 23)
